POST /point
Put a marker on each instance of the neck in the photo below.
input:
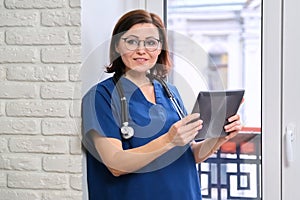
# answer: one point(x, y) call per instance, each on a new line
point(140, 79)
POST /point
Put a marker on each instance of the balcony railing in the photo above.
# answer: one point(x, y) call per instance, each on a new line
point(234, 172)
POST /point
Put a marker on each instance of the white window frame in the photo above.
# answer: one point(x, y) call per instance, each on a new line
point(271, 99)
point(271, 95)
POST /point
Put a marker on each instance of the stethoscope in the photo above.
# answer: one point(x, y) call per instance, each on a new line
point(126, 130)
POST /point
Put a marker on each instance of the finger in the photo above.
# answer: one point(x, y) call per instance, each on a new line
point(188, 133)
point(231, 135)
point(243, 99)
point(184, 138)
point(232, 124)
point(190, 118)
point(234, 118)
point(235, 126)
point(192, 127)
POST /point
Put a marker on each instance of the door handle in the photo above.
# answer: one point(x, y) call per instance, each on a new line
point(289, 139)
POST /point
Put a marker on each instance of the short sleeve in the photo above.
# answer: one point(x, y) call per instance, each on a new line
point(99, 114)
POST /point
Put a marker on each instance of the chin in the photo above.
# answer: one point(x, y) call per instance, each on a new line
point(141, 68)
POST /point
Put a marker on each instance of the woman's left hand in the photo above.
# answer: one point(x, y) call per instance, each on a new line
point(203, 149)
point(234, 126)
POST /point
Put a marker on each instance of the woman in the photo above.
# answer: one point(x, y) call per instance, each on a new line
point(157, 161)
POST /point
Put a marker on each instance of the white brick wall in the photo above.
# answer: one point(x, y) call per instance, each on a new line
point(40, 148)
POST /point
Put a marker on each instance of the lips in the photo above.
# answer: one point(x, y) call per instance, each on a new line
point(140, 59)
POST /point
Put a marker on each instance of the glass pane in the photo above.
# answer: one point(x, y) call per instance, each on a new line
point(217, 46)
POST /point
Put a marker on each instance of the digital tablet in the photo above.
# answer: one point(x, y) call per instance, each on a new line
point(215, 107)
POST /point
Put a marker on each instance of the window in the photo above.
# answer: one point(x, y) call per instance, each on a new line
point(217, 45)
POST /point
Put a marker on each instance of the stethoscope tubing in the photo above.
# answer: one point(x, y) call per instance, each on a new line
point(177, 108)
point(170, 95)
point(126, 130)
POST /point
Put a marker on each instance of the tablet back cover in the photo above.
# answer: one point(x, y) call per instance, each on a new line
point(215, 107)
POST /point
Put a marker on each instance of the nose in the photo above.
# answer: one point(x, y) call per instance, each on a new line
point(141, 45)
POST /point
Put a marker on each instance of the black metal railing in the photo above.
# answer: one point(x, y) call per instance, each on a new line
point(234, 172)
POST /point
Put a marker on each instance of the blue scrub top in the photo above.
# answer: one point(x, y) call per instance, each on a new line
point(172, 176)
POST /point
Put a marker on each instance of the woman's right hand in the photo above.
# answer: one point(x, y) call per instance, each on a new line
point(184, 131)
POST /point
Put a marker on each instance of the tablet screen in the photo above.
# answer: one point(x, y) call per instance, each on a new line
point(215, 107)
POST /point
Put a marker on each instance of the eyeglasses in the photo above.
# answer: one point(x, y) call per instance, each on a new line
point(151, 44)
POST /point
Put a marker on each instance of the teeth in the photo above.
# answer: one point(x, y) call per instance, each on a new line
point(140, 59)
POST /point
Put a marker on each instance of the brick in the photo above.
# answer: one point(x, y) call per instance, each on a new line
point(77, 90)
point(12, 194)
point(35, 36)
point(2, 73)
point(1, 37)
point(22, 163)
point(18, 55)
point(2, 108)
point(9, 90)
point(59, 91)
point(36, 109)
point(75, 145)
point(38, 145)
point(61, 18)
point(76, 182)
point(3, 145)
point(61, 55)
point(3, 182)
point(75, 36)
point(19, 126)
point(61, 127)
point(37, 73)
point(63, 195)
point(74, 73)
point(69, 164)
point(37, 181)
point(75, 109)
point(40, 4)
point(75, 4)
point(19, 18)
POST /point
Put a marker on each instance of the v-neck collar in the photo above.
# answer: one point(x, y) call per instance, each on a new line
point(129, 87)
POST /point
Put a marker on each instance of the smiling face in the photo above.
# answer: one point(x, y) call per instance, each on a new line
point(144, 38)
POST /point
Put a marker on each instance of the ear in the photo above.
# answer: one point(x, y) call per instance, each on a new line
point(117, 48)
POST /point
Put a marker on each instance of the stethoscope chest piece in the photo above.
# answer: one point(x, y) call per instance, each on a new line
point(127, 131)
